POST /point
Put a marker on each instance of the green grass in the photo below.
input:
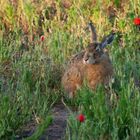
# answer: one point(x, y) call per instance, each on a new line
point(30, 80)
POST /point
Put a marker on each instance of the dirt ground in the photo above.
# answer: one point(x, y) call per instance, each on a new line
point(55, 131)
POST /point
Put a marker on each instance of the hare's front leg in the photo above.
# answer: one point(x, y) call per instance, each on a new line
point(71, 81)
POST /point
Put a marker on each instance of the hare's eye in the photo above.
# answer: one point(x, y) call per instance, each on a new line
point(95, 54)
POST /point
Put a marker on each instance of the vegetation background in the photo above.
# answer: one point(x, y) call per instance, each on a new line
point(37, 37)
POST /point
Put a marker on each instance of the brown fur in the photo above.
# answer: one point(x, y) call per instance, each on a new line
point(94, 74)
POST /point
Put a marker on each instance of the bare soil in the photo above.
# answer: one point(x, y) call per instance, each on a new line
point(56, 131)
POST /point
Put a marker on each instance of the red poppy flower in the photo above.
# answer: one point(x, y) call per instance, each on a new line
point(42, 38)
point(137, 21)
point(81, 118)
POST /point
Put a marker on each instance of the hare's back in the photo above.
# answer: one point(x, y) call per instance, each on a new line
point(77, 58)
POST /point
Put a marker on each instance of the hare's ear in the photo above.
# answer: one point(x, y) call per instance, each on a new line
point(93, 32)
point(107, 40)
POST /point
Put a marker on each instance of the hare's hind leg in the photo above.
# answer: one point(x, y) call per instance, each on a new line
point(71, 81)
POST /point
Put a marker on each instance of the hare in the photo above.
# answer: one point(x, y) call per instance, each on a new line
point(92, 65)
